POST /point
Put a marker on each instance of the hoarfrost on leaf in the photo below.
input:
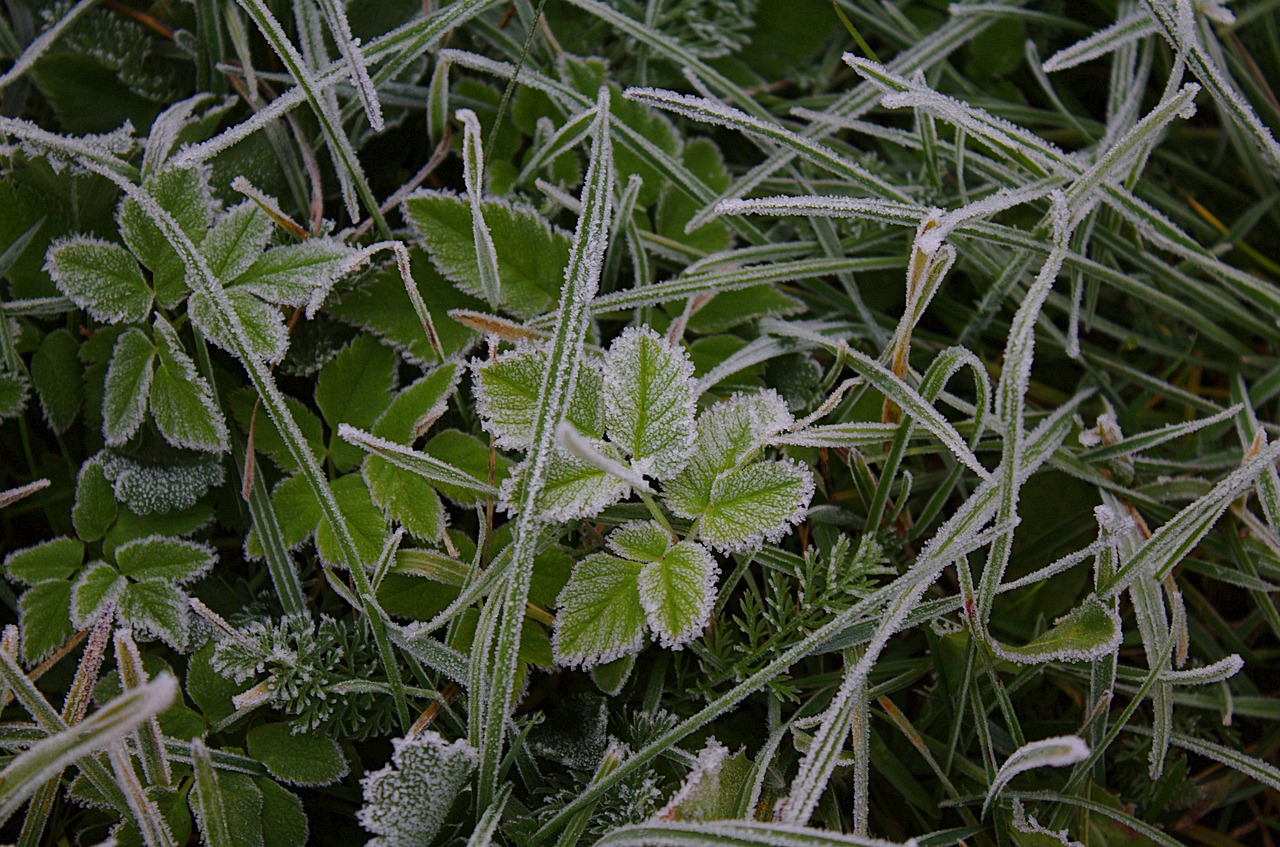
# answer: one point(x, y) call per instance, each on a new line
point(677, 592)
point(182, 402)
point(759, 502)
point(600, 617)
point(407, 802)
point(128, 384)
point(100, 277)
point(571, 487)
point(649, 401)
point(506, 391)
point(1057, 752)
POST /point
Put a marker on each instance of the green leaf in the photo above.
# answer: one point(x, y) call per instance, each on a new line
point(649, 401)
point(471, 456)
point(183, 193)
point(156, 609)
point(13, 394)
point(676, 208)
point(677, 593)
point(422, 401)
point(57, 558)
point(101, 278)
point(572, 488)
point(56, 373)
point(43, 616)
point(94, 510)
point(507, 387)
point(600, 617)
point(297, 511)
point(368, 526)
point(611, 676)
point(266, 438)
point(729, 434)
point(295, 274)
point(713, 789)
point(407, 802)
point(129, 378)
point(99, 585)
point(181, 401)
point(209, 803)
point(236, 240)
point(727, 311)
point(169, 559)
point(531, 253)
point(263, 324)
point(355, 388)
point(1057, 752)
point(759, 502)
point(284, 823)
point(308, 759)
point(643, 541)
point(406, 497)
point(1088, 632)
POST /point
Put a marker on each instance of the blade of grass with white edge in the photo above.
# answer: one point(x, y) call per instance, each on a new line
point(1253, 436)
point(910, 401)
point(1180, 534)
point(713, 112)
point(1134, 444)
point(1055, 752)
point(1130, 28)
point(151, 823)
point(1250, 766)
point(230, 327)
point(335, 16)
point(1185, 41)
point(155, 765)
point(42, 42)
point(427, 467)
point(732, 833)
point(211, 804)
point(581, 281)
point(67, 746)
point(473, 176)
point(344, 155)
point(404, 45)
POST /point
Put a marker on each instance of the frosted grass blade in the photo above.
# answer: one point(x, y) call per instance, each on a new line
point(335, 17)
point(732, 834)
point(42, 42)
point(1129, 29)
point(473, 174)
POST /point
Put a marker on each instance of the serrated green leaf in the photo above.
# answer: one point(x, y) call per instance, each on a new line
point(309, 759)
point(355, 388)
point(416, 403)
point(263, 324)
point(44, 618)
point(183, 193)
point(128, 385)
point(407, 802)
point(95, 505)
point(170, 559)
point(98, 585)
point(713, 789)
point(507, 396)
point(57, 558)
point(55, 371)
point(1087, 632)
point(294, 274)
point(649, 401)
point(13, 394)
point(641, 541)
point(600, 617)
point(284, 823)
point(181, 401)
point(531, 254)
point(236, 240)
point(572, 488)
point(156, 609)
point(729, 434)
point(750, 504)
point(469, 455)
point(101, 278)
point(677, 593)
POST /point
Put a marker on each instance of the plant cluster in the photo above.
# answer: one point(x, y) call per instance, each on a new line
point(658, 422)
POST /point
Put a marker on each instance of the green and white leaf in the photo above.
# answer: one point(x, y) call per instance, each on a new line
point(1088, 632)
point(171, 560)
point(572, 487)
point(99, 585)
point(506, 391)
point(600, 616)
point(407, 802)
point(756, 503)
point(649, 401)
point(127, 387)
point(309, 759)
point(677, 592)
point(1058, 752)
point(102, 278)
point(182, 402)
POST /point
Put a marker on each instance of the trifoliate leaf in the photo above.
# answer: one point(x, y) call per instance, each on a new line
point(649, 401)
point(761, 501)
point(296, 274)
point(677, 592)
point(407, 802)
point(354, 388)
point(263, 324)
point(1087, 632)
point(729, 434)
point(181, 401)
point(600, 617)
point(57, 558)
point(169, 559)
point(183, 193)
point(127, 387)
point(643, 541)
point(572, 488)
point(102, 278)
point(98, 585)
point(55, 370)
point(236, 240)
point(95, 506)
point(44, 619)
point(309, 759)
point(531, 253)
point(156, 609)
point(507, 387)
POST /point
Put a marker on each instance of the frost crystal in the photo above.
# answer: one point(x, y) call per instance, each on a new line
point(407, 802)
